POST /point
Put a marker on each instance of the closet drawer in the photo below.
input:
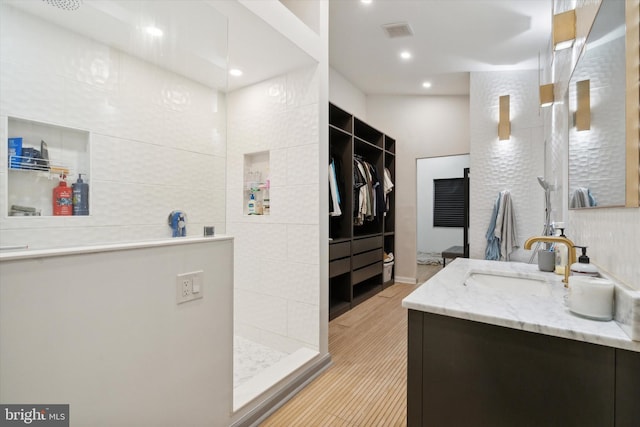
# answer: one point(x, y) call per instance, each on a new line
point(367, 244)
point(367, 258)
point(362, 274)
point(339, 267)
point(339, 250)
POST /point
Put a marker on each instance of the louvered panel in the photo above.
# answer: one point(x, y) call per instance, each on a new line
point(448, 203)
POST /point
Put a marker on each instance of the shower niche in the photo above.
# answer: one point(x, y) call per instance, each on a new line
point(39, 156)
point(257, 184)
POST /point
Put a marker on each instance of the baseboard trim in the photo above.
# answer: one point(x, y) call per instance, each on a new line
point(273, 402)
point(408, 280)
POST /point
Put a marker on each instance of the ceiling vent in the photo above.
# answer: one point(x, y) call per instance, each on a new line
point(398, 29)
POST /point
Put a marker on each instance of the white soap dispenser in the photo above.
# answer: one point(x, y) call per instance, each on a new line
point(582, 267)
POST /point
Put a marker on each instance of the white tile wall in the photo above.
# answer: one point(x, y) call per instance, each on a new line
point(277, 256)
point(158, 140)
point(505, 165)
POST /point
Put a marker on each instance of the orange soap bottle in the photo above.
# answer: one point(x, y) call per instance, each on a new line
point(62, 199)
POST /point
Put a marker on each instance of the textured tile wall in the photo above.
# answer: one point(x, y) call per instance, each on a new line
point(158, 140)
point(612, 234)
point(277, 256)
point(506, 165)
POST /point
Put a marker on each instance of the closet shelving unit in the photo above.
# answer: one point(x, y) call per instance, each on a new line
point(356, 252)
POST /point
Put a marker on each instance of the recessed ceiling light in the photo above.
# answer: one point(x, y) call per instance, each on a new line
point(235, 72)
point(154, 31)
point(366, 1)
point(426, 85)
point(405, 54)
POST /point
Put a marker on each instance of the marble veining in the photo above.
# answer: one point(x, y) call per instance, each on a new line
point(627, 311)
point(446, 294)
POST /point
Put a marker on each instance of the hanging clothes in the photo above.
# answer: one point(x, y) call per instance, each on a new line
point(334, 193)
point(388, 187)
point(378, 192)
point(368, 192)
point(369, 207)
point(359, 182)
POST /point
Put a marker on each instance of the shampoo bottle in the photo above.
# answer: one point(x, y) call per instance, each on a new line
point(252, 205)
point(62, 199)
point(80, 197)
point(266, 200)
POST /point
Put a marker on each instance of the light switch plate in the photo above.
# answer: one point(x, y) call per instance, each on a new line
point(185, 284)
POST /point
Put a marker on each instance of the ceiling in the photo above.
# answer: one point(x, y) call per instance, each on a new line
point(451, 38)
point(201, 38)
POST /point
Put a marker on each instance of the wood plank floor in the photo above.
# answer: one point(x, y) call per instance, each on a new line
point(366, 386)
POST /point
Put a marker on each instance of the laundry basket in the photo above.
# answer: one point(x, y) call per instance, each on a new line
point(387, 271)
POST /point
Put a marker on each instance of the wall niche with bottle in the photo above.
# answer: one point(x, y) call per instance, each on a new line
point(257, 184)
point(47, 169)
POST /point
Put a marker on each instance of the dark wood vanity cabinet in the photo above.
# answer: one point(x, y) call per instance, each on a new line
point(627, 389)
point(470, 374)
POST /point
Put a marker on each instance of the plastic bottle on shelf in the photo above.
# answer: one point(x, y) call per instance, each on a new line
point(266, 201)
point(80, 197)
point(62, 199)
point(252, 205)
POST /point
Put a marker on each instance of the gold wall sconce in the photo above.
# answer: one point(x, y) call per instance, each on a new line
point(583, 111)
point(504, 123)
point(564, 29)
point(546, 95)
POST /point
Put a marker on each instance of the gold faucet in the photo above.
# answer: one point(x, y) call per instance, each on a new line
point(571, 258)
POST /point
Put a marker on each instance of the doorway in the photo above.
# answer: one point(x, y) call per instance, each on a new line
point(450, 174)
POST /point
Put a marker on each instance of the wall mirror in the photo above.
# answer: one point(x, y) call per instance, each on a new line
point(603, 153)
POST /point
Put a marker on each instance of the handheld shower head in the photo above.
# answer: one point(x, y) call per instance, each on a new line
point(545, 185)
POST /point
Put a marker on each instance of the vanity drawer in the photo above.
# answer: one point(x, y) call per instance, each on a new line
point(339, 250)
point(362, 274)
point(339, 267)
point(367, 258)
point(367, 244)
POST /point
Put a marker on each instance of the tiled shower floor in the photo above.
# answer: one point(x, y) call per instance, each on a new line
point(250, 358)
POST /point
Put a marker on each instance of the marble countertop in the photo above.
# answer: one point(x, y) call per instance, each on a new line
point(446, 294)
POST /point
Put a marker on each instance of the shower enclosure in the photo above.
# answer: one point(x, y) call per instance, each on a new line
point(169, 129)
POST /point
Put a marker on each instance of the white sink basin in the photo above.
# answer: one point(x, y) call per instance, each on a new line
point(509, 283)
